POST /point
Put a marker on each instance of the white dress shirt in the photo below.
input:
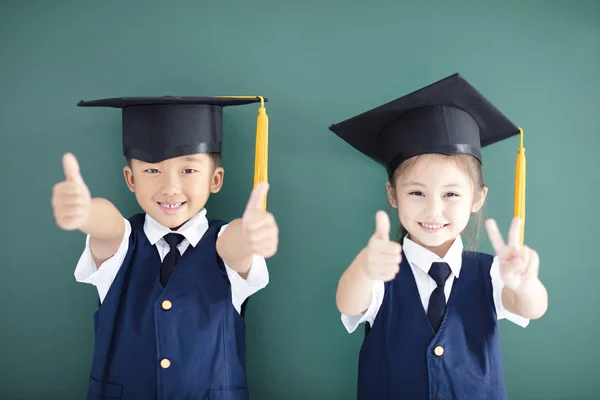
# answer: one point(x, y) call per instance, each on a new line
point(192, 231)
point(420, 260)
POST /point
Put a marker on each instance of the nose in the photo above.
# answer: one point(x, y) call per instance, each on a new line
point(171, 184)
point(435, 206)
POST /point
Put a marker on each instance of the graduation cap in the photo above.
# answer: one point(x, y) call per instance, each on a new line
point(447, 117)
point(159, 128)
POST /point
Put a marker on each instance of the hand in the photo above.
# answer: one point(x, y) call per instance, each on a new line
point(519, 265)
point(382, 256)
point(71, 198)
point(258, 226)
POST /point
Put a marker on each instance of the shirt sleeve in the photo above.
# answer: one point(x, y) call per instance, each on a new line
point(257, 279)
point(351, 322)
point(103, 276)
point(498, 286)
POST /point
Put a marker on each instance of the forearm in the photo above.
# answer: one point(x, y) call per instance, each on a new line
point(233, 248)
point(354, 288)
point(530, 301)
point(106, 227)
point(104, 222)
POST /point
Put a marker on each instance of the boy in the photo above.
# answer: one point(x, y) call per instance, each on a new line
point(171, 282)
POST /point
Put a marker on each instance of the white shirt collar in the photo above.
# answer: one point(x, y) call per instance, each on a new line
point(192, 230)
point(423, 258)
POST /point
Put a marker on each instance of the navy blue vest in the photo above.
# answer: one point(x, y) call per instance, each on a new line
point(185, 341)
point(403, 358)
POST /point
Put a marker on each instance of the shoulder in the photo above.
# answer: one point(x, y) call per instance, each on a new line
point(478, 259)
point(216, 223)
point(477, 255)
point(137, 220)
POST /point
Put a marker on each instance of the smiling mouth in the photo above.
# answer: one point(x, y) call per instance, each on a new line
point(432, 227)
point(171, 208)
point(171, 205)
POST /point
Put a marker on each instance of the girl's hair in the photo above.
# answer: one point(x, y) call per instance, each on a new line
point(470, 166)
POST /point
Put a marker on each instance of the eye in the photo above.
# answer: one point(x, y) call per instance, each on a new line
point(416, 193)
point(452, 194)
point(152, 171)
point(189, 171)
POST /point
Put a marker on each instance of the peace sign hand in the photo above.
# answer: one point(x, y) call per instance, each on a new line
point(519, 265)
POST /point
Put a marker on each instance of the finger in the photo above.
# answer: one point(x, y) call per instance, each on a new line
point(263, 236)
point(70, 193)
point(391, 248)
point(70, 207)
point(65, 187)
point(389, 274)
point(257, 196)
point(390, 259)
point(267, 250)
point(494, 235)
point(534, 263)
point(71, 169)
point(514, 233)
point(382, 226)
point(258, 222)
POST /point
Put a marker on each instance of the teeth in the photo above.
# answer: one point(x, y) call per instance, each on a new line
point(174, 205)
point(432, 226)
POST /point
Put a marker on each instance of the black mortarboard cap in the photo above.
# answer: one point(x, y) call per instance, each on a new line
point(448, 117)
point(159, 128)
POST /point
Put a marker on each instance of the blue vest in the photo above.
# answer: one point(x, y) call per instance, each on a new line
point(184, 341)
point(403, 358)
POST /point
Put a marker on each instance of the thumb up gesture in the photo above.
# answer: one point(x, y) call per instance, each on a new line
point(382, 256)
point(258, 226)
point(71, 198)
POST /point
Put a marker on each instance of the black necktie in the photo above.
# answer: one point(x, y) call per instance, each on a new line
point(439, 271)
point(170, 260)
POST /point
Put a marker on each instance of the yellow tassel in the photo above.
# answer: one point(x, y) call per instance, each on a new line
point(261, 156)
point(261, 159)
point(519, 209)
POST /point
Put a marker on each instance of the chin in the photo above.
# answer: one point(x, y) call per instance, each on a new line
point(431, 240)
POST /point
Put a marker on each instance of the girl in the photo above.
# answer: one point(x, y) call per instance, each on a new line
point(431, 308)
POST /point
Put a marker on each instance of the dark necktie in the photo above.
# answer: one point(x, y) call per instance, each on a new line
point(170, 260)
point(439, 271)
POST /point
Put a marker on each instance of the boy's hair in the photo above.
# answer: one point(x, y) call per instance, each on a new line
point(472, 167)
point(216, 159)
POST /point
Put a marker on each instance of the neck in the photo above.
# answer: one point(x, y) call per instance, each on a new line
point(440, 250)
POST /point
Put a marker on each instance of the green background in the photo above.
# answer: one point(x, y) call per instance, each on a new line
point(319, 62)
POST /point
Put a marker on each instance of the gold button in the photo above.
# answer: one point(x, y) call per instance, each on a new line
point(165, 363)
point(439, 350)
point(166, 305)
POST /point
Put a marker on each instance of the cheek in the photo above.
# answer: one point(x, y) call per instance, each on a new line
point(408, 207)
point(459, 210)
point(197, 186)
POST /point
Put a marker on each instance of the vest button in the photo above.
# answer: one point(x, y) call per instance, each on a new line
point(439, 350)
point(165, 363)
point(166, 305)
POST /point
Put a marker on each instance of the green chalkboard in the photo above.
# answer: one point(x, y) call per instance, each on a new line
point(319, 62)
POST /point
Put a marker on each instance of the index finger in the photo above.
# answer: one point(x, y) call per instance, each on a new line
point(494, 235)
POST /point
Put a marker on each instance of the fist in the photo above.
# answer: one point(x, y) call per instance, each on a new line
point(382, 256)
point(519, 265)
point(259, 227)
point(71, 198)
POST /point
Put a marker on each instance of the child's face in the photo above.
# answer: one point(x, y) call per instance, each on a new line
point(435, 199)
point(174, 190)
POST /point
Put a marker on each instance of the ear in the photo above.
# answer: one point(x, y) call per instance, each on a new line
point(391, 194)
point(129, 180)
point(481, 200)
point(217, 180)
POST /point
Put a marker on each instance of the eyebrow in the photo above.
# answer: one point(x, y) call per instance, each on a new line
point(450, 185)
point(193, 159)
